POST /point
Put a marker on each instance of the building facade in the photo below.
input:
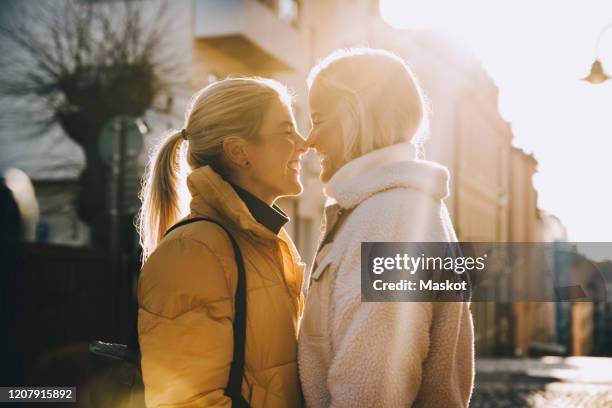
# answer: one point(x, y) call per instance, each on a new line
point(492, 195)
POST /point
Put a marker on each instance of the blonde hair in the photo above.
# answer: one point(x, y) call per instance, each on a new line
point(379, 99)
point(231, 107)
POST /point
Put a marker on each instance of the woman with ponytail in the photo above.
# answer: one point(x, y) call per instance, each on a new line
point(238, 152)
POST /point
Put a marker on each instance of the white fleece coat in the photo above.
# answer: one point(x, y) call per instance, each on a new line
point(394, 354)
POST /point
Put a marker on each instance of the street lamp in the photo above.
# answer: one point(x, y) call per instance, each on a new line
point(598, 75)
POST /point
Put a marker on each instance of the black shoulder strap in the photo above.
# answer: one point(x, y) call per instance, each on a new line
point(234, 384)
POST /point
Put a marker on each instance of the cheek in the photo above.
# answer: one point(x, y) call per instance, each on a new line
point(338, 147)
point(320, 138)
point(280, 153)
point(257, 161)
point(336, 144)
point(330, 140)
point(260, 161)
point(274, 162)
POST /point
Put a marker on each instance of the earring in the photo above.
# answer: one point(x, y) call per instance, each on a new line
point(246, 163)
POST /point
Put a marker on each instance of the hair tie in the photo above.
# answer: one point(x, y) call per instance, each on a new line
point(184, 133)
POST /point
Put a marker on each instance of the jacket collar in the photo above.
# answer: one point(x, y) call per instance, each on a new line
point(271, 217)
point(390, 167)
point(211, 193)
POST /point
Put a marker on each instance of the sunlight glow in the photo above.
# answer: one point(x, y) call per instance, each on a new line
point(536, 52)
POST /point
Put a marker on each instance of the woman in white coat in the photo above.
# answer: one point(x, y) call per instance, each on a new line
point(368, 116)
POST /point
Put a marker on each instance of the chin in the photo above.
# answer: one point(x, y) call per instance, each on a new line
point(325, 176)
point(297, 188)
point(293, 188)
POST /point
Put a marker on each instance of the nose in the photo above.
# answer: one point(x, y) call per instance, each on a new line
point(310, 140)
point(301, 145)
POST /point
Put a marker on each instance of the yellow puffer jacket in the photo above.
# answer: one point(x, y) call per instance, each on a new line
point(186, 306)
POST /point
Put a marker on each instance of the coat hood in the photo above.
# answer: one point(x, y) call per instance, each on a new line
point(394, 166)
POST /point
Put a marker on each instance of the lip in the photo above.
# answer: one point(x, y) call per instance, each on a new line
point(294, 165)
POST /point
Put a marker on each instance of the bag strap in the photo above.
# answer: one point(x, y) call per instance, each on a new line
point(234, 384)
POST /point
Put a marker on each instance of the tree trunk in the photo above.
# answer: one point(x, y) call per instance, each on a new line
point(92, 199)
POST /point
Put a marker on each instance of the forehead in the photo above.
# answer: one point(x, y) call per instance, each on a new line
point(277, 114)
point(320, 98)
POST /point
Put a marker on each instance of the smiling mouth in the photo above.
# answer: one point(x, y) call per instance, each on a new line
point(294, 165)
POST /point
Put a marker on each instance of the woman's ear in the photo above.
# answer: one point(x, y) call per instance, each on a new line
point(234, 149)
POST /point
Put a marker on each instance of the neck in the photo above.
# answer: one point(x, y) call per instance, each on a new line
point(252, 188)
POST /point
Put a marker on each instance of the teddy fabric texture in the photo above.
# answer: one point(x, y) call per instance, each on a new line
point(394, 354)
point(186, 306)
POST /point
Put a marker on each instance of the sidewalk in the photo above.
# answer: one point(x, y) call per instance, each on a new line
point(544, 382)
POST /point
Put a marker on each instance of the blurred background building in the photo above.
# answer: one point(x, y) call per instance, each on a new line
point(492, 195)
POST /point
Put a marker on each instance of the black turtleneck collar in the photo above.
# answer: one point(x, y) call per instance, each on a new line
point(271, 217)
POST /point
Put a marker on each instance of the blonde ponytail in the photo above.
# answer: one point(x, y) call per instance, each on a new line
point(159, 194)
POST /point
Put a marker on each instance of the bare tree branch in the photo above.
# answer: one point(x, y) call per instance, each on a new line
point(98, 59)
